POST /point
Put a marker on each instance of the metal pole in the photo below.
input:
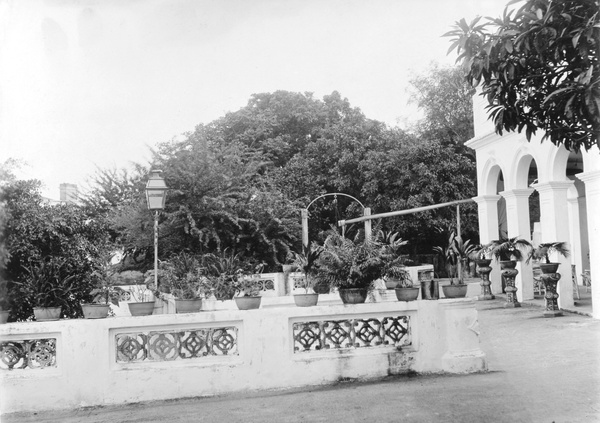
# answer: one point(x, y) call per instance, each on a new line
point(156, 250)
point(401, 212)
point(460, 274)
point(304, 213)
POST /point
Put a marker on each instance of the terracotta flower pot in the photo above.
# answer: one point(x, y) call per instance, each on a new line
point(141, 309)
point(45, 314)
point(95, 311)
point(247, 303)
point(455, 291)
point(306, 300)
point(188, 306)
point(407, 294)
point(353, 295)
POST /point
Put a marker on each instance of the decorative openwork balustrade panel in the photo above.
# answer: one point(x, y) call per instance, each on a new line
point(267, 284)
point(30, 353)
point(176, 345)
point(351, 333)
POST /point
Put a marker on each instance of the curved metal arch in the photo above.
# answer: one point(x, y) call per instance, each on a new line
point(335, 194)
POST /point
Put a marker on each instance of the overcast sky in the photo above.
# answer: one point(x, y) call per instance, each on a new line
point(94, 82)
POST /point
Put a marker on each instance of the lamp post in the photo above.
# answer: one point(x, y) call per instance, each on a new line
point(156, 194)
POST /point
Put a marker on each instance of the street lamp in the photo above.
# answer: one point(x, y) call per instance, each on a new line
point(156, 194)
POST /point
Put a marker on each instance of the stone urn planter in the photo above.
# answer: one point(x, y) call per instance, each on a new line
point(484, 270)
point(141, 309)
point(353, 295)
point(95, 311)
point(306, 300)
point(188, 306)
point(247, 302)
point(509, 272)
point(407, 294)
point(455, 291)
point(550, 279)
point(45, 314)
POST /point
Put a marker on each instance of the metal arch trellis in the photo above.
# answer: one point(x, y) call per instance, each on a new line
point(366, 211)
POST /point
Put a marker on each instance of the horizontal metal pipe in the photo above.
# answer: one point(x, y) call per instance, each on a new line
point(401, 212)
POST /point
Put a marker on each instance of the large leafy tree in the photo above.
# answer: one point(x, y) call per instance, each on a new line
point(539, 68)
point(444, 97)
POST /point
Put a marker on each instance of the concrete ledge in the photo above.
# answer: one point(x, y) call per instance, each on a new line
point(132, 359)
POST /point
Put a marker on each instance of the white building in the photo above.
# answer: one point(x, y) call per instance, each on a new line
point(511, 174)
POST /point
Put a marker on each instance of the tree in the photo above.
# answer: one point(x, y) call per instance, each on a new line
point(35, 232)
point(446, 101)
point(539, 69)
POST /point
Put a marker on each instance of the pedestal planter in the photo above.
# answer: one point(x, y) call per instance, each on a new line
point(45, 314)
point(4, 316)
point(188, 306)
point(550, 279)
point(306, 300)
point(247, 303)
point(95, 311)
point(407, 294)
point(484, 269)
point(141, 309)
point(509, 272)
point(455, 291)
point(353, 295)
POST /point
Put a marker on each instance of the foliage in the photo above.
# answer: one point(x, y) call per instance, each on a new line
point(539, 68)
point(104, 292)
point(49, 283)
point(446, 101)
point(480, 252)
point(393, 262)
point(184, 275)
point(346, 263)
point(505, 249)
point(248, 286)
point(543, 251)
point(36, 232)
point(306, 262)
point(454, 251)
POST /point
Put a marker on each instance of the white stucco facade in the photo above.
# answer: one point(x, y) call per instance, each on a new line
point(568, 185)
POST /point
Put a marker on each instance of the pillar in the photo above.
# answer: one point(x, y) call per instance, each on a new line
point(517, 219)
point(463, 352)
point(592, 193)
point(575, 240)
point(368, 231)
point(304, 214)
point(487, 210)
point(555, 227)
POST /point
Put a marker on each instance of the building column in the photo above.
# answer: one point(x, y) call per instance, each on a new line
point(555, 228)
point(517, 219)
point(592, 194)
point(487, 210)
point(575, 231)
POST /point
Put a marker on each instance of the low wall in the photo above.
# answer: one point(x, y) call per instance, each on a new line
point(74, 363)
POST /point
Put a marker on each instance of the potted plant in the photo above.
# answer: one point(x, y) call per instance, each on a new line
point(543, 252)
point(394, 268)
point(306, 263)
point(48, 283)
point(143, 304)
point(351, 265)
point(247, 292)
point(508, 251)
point(223, 271)
point(405, 291)
point(103, 293)
point(189, 291)
point(549, 276)
point(451, 254)
point(482, 256)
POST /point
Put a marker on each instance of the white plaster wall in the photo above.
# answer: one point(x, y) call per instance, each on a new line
point(87, 373)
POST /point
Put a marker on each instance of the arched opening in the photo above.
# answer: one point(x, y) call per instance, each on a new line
point(502, 218)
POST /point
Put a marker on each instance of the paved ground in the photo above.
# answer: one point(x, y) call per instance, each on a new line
point(541, 370)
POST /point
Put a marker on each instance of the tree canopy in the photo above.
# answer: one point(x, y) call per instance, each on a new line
point(539, 68)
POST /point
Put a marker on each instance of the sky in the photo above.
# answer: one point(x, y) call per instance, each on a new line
point(97, 83)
